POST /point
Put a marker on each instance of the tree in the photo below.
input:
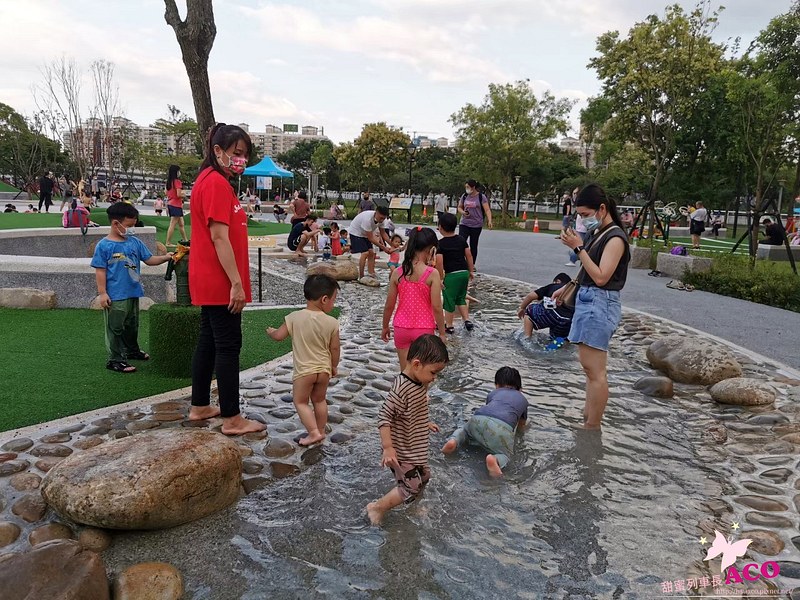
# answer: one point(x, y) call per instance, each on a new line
point(298, 158)
point(183, 129)
point(106, 109)
point(195, 36)
point(324, 163)
point(499, 136)
point(374, 156)
point(653, 79)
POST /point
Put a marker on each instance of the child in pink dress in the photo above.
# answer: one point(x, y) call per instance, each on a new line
point(416, 290)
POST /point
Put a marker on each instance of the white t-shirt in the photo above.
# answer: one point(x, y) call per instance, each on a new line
point(364, 223)
point(441, 203)
point(701, 214)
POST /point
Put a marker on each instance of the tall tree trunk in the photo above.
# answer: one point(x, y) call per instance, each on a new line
point(195, 36)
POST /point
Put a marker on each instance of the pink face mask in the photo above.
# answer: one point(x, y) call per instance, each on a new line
point(236, 164)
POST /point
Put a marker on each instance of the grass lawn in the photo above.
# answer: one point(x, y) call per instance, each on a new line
point(30, 221)
point(4, 187)
point(53, 363)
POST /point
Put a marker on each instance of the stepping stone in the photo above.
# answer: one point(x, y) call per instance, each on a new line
point(51, 531)
point(169, 406)
point(18, 445)
point(9, 532)
point(768, 520)
point(364, 403)
point(118, 434)
point(342, 397)
point(351, 387)
point(89, 442)
point(257, 417)
point(252, 467)
point(340, 438)
point(277, 448)
point(762, 488)
point(288, 398)
point(285, 427)
point(7, 456)
point(165, 417)
point(335, 418)
point(95, 431)
point(261, 403)
point(25, 482)
point(357, 381)
point(253, 393)
point(45, 464)
point(72, 428)
point(312, 456)
point(281, 470)
point(51, 450)
point(95, 540)
point(255, 436)
point(373, 395)
point(348, 410)
point(382, 385)
point(252, 484)
point(30, 508)
point(245, 451)
point(56, 438)
point(764, 542)
point(282, 413)
point(195, 424)
point(365, 375)
point(253, 385)
point(104, 422)
point(141, 426)
point(761, 503)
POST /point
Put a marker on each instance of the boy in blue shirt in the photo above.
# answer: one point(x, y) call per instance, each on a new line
point(494, 424)
point(116, 261)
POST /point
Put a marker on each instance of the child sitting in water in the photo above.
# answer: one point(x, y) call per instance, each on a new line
point(394, 258)
point(540, 312)
point(345, 237)
point(404, 424)
point(315, 352)
point(493, 425)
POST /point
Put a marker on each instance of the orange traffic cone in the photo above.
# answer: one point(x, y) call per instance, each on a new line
point(536, 225)
point(424, 211)
point(635, 233)
point(525, 215)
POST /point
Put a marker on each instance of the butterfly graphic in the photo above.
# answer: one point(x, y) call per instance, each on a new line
point(730, 550)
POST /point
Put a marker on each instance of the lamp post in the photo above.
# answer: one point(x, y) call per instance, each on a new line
point(516, 197)
point(412, 150)
point(781, 183)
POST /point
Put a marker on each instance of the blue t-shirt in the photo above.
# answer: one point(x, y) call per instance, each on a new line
point(121, 260)
point(505, 404)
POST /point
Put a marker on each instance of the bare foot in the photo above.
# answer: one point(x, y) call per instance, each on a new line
point(238, 425)
point(450, 447)
point(374, 513)
point(311, 439)
point(201, 413)
point(300, 253)
point(493, 466)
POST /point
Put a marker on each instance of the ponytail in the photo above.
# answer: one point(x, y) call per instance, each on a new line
point(224, 136)
point(420, 238)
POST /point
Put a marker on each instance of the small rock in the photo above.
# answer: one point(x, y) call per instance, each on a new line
point(18, 445)
point(253, 385)
point(51, 531)
point(149, 581)
point(761, 503)
point(764, 542)
point(30, 508)
point(251, 467)
point(89, 442)
point(278, 448)
point(768, 520)
point(72, 428)
point(58, 569)
point(255, 436)
point(282, 413)
point(51, 450)
point(335, 418)
point(768, 419)
point(245, 451)
point(346, 410)
point(12, 467)
point(118, 434)
point(56, 438)
point(312, 456)
point(45, 464)
point(743, 391)
point(7, 456)
point(779, 447)
point(762, 488)
point(9, 532)
point(658, 387)
point(288, 398)
point(281, 470)
point(384, 386)
point(169, 406)
point(250, 484)
point(95, 540)
point(716, 433)
point(141, 426)
point(167, 417)
point(25, 482)
point(261, 403)
point(350, 387)
point(340, 438)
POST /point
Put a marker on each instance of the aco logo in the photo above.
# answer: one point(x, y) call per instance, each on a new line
point(730, 551)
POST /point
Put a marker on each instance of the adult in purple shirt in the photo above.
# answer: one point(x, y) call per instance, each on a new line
point(475, 211)
point(493, 425)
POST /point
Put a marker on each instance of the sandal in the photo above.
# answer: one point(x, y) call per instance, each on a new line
point(449, 330)
point(140, 355)
point(688, 287)
point(676, 284)
point(120, 366)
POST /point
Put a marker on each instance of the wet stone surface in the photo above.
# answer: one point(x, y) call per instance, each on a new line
point(574, 517)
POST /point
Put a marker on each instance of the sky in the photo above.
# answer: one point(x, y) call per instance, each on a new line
point(331, 63)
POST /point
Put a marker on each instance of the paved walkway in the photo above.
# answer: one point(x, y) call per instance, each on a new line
point(773, 332)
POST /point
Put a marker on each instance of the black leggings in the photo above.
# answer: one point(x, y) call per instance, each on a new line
point(471, 236)
point(217, 350)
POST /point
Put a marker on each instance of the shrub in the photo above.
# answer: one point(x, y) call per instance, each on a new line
point(173, 336)
point(764, 282)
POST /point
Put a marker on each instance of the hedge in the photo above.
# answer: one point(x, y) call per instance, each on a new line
point(173, 336)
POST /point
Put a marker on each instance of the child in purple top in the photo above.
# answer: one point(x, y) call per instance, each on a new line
point(493, 425)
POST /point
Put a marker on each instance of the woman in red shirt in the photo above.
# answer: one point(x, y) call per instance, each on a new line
point(175, 202)
point(219, 278)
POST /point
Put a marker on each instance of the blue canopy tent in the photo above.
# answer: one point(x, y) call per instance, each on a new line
point(268, 168)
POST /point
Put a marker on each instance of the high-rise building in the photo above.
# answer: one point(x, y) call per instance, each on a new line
point(275, 140)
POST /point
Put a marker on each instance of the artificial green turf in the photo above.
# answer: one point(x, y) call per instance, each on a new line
point(53, 363)
point(31, 220)
point(4, 187)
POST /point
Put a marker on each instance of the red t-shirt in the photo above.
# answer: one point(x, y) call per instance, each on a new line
point(213, 200)
point(172, 194)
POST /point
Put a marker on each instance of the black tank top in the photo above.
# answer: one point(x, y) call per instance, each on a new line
point(595, 251)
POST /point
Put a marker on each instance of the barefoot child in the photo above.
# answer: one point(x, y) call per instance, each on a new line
point(404, 424)
point(336, 240)
point(538, 311)
point(116, 262)
point(315, 353)
point(396, 244)
point(416, 289)
point(454, 262)
point(493, 425)
point(301, 234)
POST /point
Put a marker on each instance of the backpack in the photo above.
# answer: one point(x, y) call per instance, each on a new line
point(679, 251)
point(76, 217)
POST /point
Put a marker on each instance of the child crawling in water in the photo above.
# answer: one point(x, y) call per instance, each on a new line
point(493, 425)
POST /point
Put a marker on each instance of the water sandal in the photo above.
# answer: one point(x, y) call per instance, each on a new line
point(688, 287)
point(449, 330)
point(140, 355)
point(676, 285)
point(120, 366)
point(469, 325)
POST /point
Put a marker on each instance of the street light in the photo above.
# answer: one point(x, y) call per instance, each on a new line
point(412, 150)
point(516, 196)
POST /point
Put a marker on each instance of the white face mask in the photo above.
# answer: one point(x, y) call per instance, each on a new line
point(468, 190)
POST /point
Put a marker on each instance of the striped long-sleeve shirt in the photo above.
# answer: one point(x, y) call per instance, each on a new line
point(405, 411)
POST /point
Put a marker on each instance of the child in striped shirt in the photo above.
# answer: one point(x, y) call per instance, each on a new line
point(404, 424)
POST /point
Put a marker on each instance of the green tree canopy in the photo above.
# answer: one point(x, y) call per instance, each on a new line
point(374, 156)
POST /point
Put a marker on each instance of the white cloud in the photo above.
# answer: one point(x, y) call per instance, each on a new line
point(428, 48)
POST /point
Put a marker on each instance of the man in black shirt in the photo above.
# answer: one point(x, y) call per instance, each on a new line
point(46, 191)
point(540, 312)
point(301, 234)
point(775, 234)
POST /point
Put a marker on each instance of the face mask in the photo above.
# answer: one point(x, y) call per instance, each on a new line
point(591, 223)
point(236, 164)
point(126, 231)
point(467, 190)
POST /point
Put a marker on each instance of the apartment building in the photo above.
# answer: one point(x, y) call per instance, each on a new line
point(274, 140)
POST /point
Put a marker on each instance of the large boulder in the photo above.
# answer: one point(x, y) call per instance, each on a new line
point(743, 391)
point(147, 481)
point(693, 360)
point(56, 570)
point(340, 270)
point(27, 298)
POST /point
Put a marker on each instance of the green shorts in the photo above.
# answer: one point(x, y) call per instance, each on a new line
point(455, 290)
